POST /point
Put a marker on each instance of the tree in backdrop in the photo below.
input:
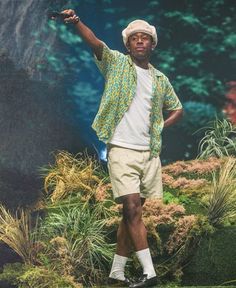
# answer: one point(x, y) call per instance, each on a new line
point(32, 126)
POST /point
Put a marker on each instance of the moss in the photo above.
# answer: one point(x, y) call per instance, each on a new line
point(195, 207)
point(22, 276)
point(214, 261)
point(10, 274)
point(190, 201)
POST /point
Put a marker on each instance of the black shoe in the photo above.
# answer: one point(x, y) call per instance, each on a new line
point(118, 283)
point(144, 282)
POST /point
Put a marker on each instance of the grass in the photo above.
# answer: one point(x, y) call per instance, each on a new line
point(77, 237)
point(222, 198)
point(218, 140)
point(16, 232)
point(71, 174)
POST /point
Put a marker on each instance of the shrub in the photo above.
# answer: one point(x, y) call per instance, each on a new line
point(25, 276)
point(76, 238)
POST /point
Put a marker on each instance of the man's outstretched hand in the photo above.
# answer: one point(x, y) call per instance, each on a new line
point(72, 17)
point(68, 16)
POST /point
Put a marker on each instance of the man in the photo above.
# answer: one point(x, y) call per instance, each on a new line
point(130, 122)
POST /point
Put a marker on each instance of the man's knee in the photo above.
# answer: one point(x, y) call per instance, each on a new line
point(132, 210)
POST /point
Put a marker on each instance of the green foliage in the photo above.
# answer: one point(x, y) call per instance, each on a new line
point(73, 242)
point(12, 272)
point(219, 140)
point(197, 115)
point(181, 199)
point(43, 278)
point(173, 266)
point(214, 260)
point(78, 232)
point(85, 96)
point(25, 276)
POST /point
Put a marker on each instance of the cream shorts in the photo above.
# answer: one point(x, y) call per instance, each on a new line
point(131, 171)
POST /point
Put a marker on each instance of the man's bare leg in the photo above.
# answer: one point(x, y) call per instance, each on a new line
point(132, 217)
point(123, 250)
point(132, 231)
point(124, 243)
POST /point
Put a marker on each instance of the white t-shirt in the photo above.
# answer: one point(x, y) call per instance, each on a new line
point(133, 131)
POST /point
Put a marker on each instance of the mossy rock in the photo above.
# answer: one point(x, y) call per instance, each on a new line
point(214, 262)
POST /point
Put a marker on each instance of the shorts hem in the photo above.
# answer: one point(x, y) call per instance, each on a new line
point(118, 200)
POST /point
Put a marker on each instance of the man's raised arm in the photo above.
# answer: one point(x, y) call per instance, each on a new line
point(85, 32)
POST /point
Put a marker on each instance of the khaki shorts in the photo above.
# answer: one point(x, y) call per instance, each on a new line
point(131, 171)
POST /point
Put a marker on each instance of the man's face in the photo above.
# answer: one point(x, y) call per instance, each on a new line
point(140, 45)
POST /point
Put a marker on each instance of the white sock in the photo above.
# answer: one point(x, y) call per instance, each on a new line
point(118, 267)
point(144, 257)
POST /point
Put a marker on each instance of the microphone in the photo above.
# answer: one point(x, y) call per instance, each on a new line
point(57, 15)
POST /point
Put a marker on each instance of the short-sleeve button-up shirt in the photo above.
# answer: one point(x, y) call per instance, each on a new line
point(120, 87)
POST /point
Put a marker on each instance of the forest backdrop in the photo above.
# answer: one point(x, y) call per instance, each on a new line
point(50, 87)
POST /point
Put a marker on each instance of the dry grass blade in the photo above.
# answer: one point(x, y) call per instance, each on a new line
point(15, 231)
point(71, 173)
point(222, 199)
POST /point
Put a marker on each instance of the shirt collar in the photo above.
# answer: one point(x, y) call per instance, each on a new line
point(157, 72)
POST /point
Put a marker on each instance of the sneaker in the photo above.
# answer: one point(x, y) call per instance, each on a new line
point(144, 281)
point(118, 283)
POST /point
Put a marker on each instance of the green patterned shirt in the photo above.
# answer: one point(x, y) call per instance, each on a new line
point(120, 87)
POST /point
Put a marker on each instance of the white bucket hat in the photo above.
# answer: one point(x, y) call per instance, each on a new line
point(139, 26)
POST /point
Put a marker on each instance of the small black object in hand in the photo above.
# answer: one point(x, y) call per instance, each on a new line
point(57, 15)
